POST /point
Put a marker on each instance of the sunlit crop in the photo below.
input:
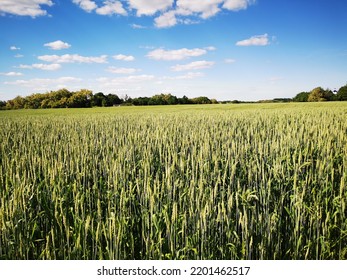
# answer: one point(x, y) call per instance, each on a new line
point(180, 182)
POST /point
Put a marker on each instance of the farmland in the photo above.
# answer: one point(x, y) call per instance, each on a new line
point(246, 181)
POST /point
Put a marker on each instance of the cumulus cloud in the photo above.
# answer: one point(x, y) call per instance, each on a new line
point(145, 7)
point(117, 70)
point(188, 76)
point(184, 8)
point(125, 81)
point(180, 54)
point(57, 45)
point(124, 57)
point(73, 58)
point(86, 5)
point(46, 67)
point(167, 19)
point(202, 8)
point(195, 65)
point(236, 5)
point(45, 84)
point(169, 12)
point(24, 7)
point(205, 8)
point(14, 48)
point(111, 7)
point(137, 78)
point(258, 40)
point(12, 74)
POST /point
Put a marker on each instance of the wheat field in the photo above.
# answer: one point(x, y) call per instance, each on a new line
point(212, 182)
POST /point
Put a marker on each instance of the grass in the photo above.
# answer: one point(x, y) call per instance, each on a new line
point(245, 181)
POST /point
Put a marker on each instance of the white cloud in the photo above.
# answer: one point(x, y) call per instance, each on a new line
point(236, 5)
point(180, 54)
point(209, 8)
point(202, 64)
point(116, 70)
point(86, 5)
point(186, 9)
point(170, 12)
point(188, 76)
point(73, 58)
point(188, 21)
point(137, 78)
point(24, 7)
point(57, 45)
point(145, 7)
point(258, 40)
point(111, 7)
point(124, 57)
point(45, 84)
point(205, 8)
point(137, 26)
point(125, 81)
point(167, 19)
point(12, 74)
point(14, 48)
point(46, 67)
point(18, 56)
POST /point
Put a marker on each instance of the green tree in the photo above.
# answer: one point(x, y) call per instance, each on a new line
point(2, 105)
point(170, 99)
point(329, 95)
point(141, 101)
point(97, 99)
point(113, 99)
point(184, 100)
point(342, 94)
point(317, 95)
point(301, 97)
point(17, 103)
point(80, 99)
point(158, 99)
point(34, 101)
point(201, 100)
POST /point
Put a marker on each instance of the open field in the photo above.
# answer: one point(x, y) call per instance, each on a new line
point(246, 181)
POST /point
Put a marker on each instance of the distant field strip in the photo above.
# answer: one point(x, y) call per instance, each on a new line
point(258, 181)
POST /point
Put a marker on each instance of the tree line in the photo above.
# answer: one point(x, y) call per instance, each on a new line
point(84, 98)
point(319, 94)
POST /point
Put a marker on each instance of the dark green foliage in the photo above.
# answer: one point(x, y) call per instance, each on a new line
point(342, 94)
point(2, 105)
point(101, 100)
point(201, 100)
point(319, 94)
point(301, 97)
point(97, 99)
point(85, 99)
point(282, 100)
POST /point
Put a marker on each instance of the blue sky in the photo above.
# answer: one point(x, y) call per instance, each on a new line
point(223, 49)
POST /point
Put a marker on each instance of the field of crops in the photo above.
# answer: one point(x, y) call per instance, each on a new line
point(176, 182)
